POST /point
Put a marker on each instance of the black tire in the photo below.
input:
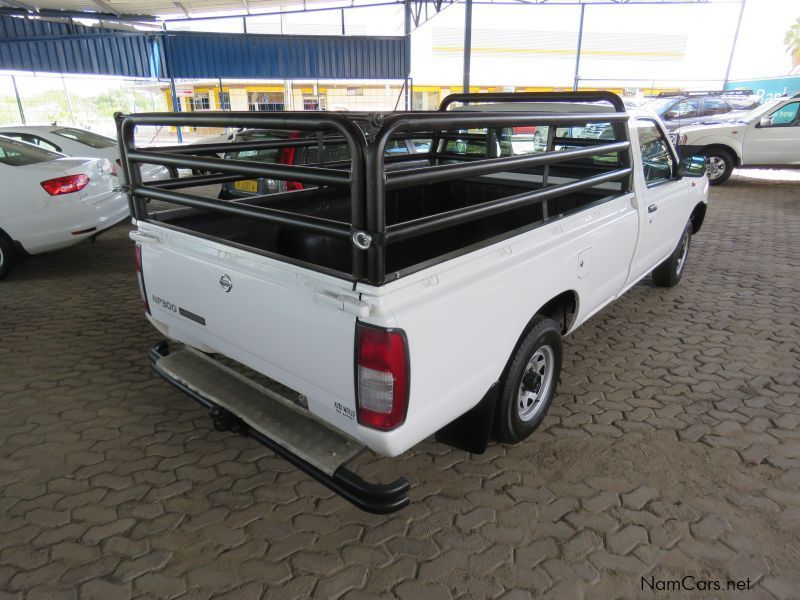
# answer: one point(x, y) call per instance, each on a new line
point(8, 254)
point(669, 272)
point(518, 415)
point(719, 165)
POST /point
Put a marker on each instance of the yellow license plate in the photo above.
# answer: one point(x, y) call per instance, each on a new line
point(248, 185)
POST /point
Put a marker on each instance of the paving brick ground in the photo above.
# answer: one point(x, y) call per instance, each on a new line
point(672, 449)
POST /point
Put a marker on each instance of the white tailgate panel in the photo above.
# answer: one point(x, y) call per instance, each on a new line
point(269, 319)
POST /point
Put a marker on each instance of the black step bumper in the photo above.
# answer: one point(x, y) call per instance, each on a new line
point(376, 498)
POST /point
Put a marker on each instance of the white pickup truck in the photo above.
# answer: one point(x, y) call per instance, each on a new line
point(766, 137)
point(397, 303)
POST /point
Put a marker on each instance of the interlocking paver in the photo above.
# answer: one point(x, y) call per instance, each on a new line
point(672, 447)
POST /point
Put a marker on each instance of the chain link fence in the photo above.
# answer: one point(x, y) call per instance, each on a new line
point(90, 102)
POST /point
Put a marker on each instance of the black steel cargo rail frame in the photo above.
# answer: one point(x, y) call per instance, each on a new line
point(366, 179)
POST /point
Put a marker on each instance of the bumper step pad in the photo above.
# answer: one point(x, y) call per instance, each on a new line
point(238, 404)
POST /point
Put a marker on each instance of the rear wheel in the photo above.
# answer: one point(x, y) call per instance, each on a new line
point(719, 165)
point(8, 255)
point(529, 384)
point(669, 272)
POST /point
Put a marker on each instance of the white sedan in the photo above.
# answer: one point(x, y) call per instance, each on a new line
point(50, 201)
point(77, 142)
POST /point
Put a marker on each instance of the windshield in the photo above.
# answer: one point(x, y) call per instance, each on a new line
point(660, 105)
point(87, 138)
point(757, 113)
point(19, 154)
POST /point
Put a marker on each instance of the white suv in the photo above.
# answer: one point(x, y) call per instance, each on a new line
point(768, 136)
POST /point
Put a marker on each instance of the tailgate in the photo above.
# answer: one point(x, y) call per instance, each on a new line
point(281, 320)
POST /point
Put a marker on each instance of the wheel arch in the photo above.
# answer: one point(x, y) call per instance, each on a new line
point(737, 160)
point(562, 308)
point(698, 216)
point(8, 238)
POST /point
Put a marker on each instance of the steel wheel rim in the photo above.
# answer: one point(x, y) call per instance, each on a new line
point(715, 167)
point(684, 252)
point(537, 380)
point(2, 257)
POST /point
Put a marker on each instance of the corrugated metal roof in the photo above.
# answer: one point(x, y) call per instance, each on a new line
point(129, 55)
point(36, 45)
point(276, 57)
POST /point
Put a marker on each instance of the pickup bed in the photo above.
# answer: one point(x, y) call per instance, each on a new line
point(392, 296)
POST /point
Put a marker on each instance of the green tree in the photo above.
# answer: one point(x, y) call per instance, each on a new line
point(792, 41)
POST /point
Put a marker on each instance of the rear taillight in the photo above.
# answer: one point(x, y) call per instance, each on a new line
point(65, 185)
point(140, 277)
point(382, 377)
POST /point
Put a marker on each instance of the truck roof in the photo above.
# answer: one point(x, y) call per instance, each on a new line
point(540, 107)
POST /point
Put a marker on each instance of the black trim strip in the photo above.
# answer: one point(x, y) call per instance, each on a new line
point(192, 316)
point(377, 498)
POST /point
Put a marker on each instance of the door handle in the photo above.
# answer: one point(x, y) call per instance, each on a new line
point(652, 208)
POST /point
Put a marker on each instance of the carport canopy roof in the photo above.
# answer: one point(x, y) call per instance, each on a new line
point(182, 9)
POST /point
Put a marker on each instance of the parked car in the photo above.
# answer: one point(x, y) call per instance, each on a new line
point(405, 303)
point(768, 136)
point(677, 110)
point(73, 141)
point(50, 201)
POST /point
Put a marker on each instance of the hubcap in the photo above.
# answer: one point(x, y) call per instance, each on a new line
point(536, 383)
point(715, 167)
point(682, 253)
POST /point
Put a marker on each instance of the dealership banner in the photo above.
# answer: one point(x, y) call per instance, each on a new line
point(768, 88)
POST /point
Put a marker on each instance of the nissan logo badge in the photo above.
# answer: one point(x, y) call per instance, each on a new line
point(225, 283)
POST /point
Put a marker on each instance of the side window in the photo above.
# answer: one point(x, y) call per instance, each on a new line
point(331, 153)
point(685, 109)
point(471, 142)
point(17, 136)
point(421, 144)
point(396, 147)
point(715, 106)
point(33, 139)
point(785, 116)
point(43, 143)
point(515, 141)
point(657, 160)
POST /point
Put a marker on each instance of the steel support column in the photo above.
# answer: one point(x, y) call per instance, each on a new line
point(577, 78)
point(176, 105)
point(467, 44)
point(19, 100)
point(733, 46)
point(407, 52)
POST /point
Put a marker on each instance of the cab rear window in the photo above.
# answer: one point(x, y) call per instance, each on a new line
point(19, 154)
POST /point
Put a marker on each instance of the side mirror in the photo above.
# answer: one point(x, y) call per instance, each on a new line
point(765, 122)
point(692, 166)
